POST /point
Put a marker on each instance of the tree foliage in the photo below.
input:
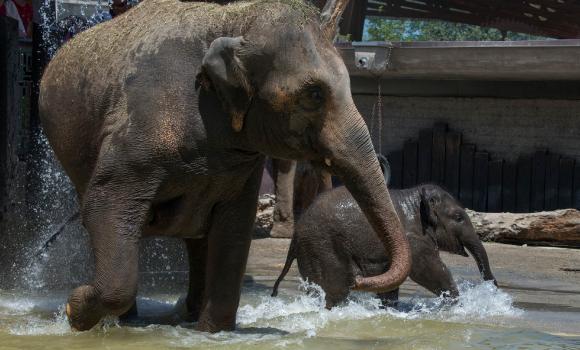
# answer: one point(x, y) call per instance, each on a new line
point(380, 29)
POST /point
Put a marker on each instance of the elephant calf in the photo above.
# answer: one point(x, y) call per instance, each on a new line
point(334, 243)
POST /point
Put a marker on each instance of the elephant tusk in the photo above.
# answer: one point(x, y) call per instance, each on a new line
point(327, 161)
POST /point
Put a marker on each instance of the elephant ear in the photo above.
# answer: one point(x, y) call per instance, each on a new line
point(429, 219)
point(330, 16)
point(223, 70)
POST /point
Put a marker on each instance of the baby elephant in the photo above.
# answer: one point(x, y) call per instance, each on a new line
point(334, 242)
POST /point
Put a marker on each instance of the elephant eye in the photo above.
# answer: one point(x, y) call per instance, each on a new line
point(316, 95)
point(458, 217)
point(312, 98)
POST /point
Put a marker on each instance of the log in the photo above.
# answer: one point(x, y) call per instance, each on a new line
point(552, 228)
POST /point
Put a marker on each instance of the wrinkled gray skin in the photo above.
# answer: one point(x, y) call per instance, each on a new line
point(162, 116)
point(333, 241)
point(297, 185)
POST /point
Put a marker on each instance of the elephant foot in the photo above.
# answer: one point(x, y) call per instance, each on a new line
point(187, 312)
point(282, 229)
point(205, 325)
point(83, 308)
point(87, 306)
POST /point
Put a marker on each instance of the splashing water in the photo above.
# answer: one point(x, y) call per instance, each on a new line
point(475, 302)
point(307, 312)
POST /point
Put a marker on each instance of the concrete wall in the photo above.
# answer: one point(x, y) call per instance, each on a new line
point(504, 127)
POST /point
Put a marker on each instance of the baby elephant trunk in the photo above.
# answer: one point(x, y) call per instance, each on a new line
point(475, 247)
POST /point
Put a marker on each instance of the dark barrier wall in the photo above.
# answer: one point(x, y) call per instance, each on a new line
point(9, 107)
point(496, 154)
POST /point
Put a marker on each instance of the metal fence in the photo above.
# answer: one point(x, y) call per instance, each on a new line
point(18, 111)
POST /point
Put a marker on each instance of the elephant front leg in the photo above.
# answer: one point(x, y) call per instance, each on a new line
point(430, 272)
point(228, 248)
point(197, 255)
point(227, 253)
point(114, 219)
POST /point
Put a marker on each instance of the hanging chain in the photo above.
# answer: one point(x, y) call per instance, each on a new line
point(379, 104)
point(380, 116)
point(388, 58)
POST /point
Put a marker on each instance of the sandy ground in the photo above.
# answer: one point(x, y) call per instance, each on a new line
point(539, 278)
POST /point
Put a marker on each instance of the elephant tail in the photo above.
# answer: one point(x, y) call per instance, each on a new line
point(289, 259)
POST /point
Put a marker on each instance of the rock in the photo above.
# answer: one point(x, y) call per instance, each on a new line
point(264, 215)
point(554, 228)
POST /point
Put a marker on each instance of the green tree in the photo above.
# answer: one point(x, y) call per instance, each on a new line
point(379, 29)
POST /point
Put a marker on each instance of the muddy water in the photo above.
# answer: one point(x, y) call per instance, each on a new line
point(483, 318)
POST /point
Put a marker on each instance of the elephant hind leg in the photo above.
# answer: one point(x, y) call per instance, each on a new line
point(336, 282)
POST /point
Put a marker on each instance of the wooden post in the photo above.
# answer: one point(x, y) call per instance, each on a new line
point(438, 158)
point(508, 187)
point(538, 180)
point(409, 164)
point(425, 153)
point(494, 186)
point(566, 183)
point(466, 174)
point(552, 176)
point(524, 184)
point(577, 185)
point(480, 181)
point(452, 154)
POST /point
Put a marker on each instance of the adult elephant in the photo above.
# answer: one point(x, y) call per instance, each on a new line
point(162, 117)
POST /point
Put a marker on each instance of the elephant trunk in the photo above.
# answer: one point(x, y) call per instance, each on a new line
point(475, 247)
point(352, 157)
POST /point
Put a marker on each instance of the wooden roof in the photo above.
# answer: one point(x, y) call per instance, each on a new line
point(550, 18)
